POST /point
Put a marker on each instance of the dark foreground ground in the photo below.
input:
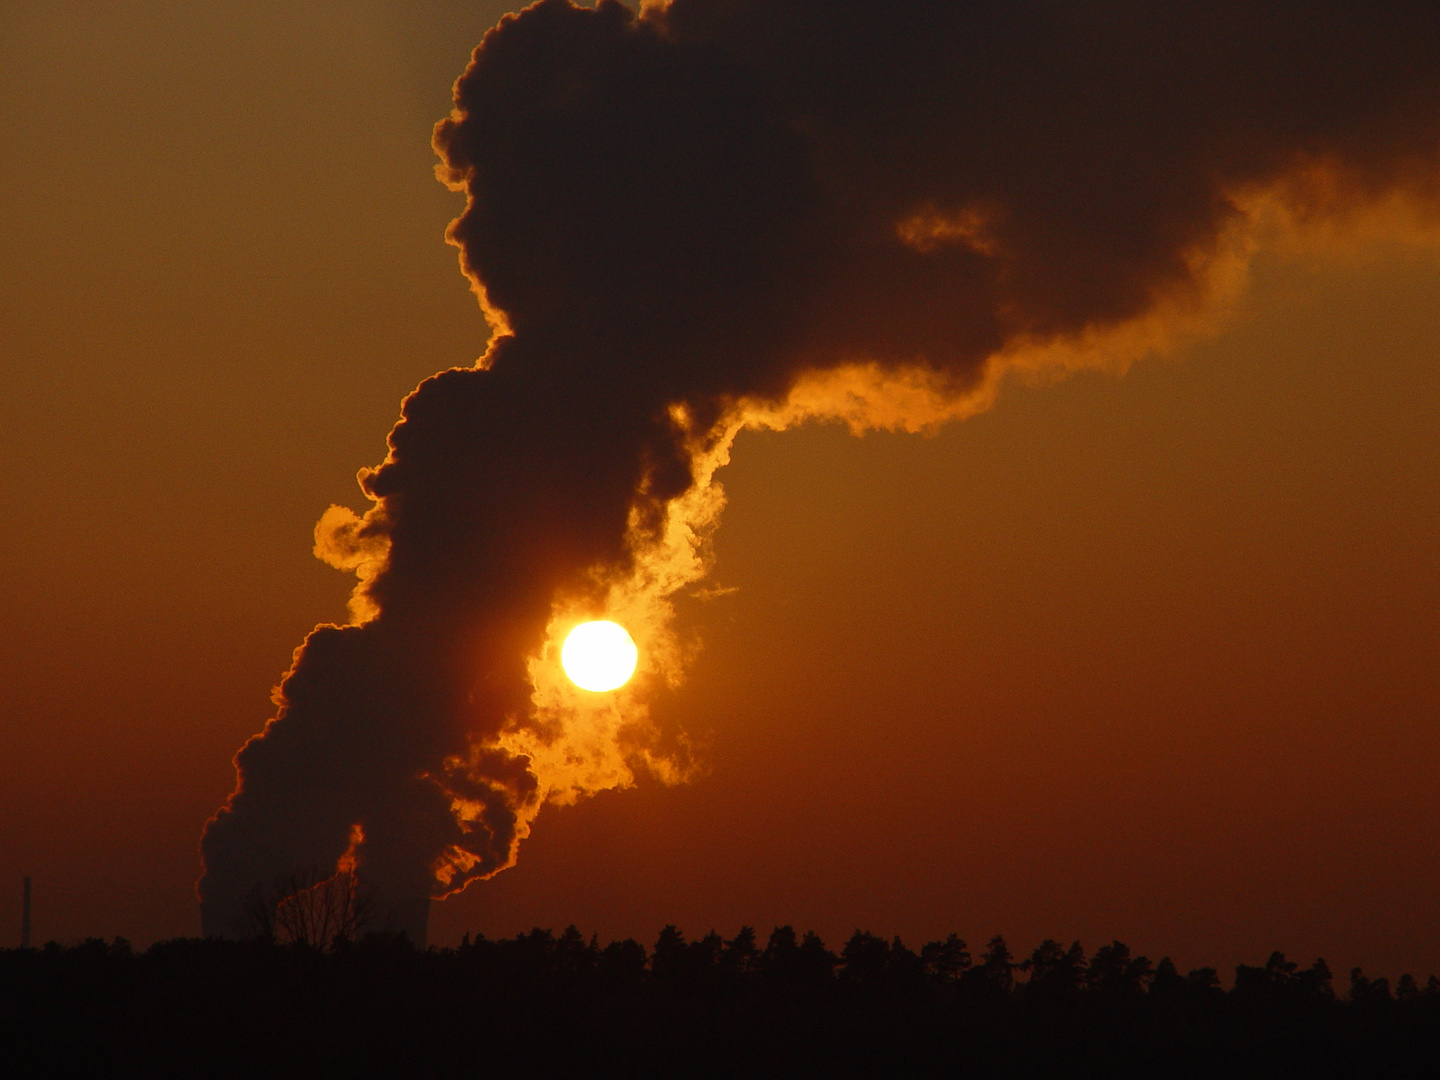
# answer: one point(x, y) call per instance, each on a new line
point(541, 1006)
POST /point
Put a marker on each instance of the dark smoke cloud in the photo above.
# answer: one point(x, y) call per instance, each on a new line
point(680, 220)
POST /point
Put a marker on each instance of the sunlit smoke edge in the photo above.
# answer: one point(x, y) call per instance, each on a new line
point(579, 745)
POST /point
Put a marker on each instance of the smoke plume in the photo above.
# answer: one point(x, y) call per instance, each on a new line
point(727, 213)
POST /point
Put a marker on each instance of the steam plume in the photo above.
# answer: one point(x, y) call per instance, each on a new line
point(721, 213)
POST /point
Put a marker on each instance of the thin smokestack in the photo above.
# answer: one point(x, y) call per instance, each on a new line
point(728, 213)
point(25, 918)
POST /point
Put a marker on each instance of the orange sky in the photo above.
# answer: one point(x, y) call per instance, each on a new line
point(1150, 657)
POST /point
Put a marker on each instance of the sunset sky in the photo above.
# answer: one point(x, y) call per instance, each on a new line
point(1150, 655)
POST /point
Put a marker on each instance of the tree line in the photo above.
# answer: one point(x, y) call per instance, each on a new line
point(542, 1004)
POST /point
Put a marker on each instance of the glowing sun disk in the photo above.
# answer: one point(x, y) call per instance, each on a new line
point(599, 656)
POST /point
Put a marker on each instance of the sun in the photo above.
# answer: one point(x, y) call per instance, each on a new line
point(599, 656)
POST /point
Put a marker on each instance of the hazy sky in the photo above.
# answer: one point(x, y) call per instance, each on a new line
point(1154, 657)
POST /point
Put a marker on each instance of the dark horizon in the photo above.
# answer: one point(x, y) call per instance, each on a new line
point(950, 956)
point(356, 922)
point(542, 1004)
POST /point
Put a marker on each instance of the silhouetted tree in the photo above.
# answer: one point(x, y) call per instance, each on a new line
point(863, 959)
point(531, 950)
point(573, 955)
point(1167, 982)
point(668, 959)
point(1055, 970)
point(740, 954)
point(1316, 980)
point(946, 960)
point(787, 958)
point(1204, 978)
point(1282, 978)
point(782, 953)
point(1114, 972)
point(995, 973)
point(1268, 982)
point(703, 956)
point(814, 962)
point(310, 908)
point(257, 915)
point(1363, 989)
point(903, 968)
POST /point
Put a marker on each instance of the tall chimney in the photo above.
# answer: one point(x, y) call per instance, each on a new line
point(25, 918)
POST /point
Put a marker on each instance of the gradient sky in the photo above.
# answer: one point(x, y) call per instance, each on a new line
point(1154, 657)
